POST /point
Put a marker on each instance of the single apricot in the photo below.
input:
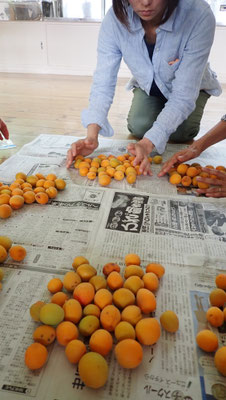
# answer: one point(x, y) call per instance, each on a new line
point(207, 340)
point(194, 181)
point(84, 164)
point(104, 180)
point(186, 180)
point(59, 298)
point(114, 162)
point(192, 171)
point(79, 157)
point(220, 280)
point(88, 325)
point(38, 189)
point(103, 298)
point(17, 252)
point(93, 169)
point(156, 268)
point(175, 179)
point(52, 192)
point(29, 197)
point(14, 185)
point(182, 169)
point(124, 330)
point(217, 297)
point(131, 178)
point(3, 254)
point(121, 168)
point(110, 317)
point(129, 353)
point(41, 198)
point(215, 316)
point(40, 176)
point(86, 272)
point(17, 191)
point(123, 297)
point(32, 179)
point(48, 184)
point(16, 202)
point(74, 350)
point(109, 267)
point(105, 163)
point(220, 360)
point(131, 314)
point(77, 163)
point(132, 259)
point(157, 159)
point(91, 175)
point(65, 332)
point(79, 260)
point(101, 341)
point(40, 183)
point(203, 185)
point(35, 356)
point(114, 280)
point(169, 321)
point(95, 164)
point(91, 309)
point(4, 198)
point(146, 300)
point(5, 211)
point(119, 175)
point(148, 331)
point(71, 280)
point(110, 171)
point(132, 270)
point(83, 171)
point(55, 285)
point(26, 184)
point(44, 334)
point(6, 242)
point(93, 370)
point(98, 282)
point(84, 293)
point(21, 175)
point(51, 177)
point(72, 310)
point(133, 283)
point(151, 281)
point(35, 310)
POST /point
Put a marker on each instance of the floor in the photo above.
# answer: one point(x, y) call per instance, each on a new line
point(32, 104)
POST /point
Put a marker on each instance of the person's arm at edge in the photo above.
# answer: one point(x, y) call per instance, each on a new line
point(3, 130)
point(214, 135)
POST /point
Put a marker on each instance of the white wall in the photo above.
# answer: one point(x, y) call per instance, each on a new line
point(69, 48)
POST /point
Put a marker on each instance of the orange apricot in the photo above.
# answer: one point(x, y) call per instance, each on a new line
point(84, 293)
point(38, 189)
point(217, 297)
point(129, 353)
point(131, 178)
point(55, 285)
point(192, 171)
point(119, 175)
point(220, 168)
point(93, 369)
point(86, 272)
point(4, 198)
point(21, 175)
point(35, 310)
point(146, 300)
point(51, 177)
point(108, 268)
point(17, 252)
point(74, 350)
point(169, 321)
point(132, 270)
point(114, 280)
point(215, 316)
point(6, 242)
point(71, 280)
point(133, 283)
point(84, 164)
point(41, 198)
point(157, 159)
point(59, 298)
point(44, 334)
point(110, 171)
point(79, 260)
point(91, 175)
point(16, 202)
point(17, 191)
point(131, 314)
point(110, 317)
point(40, 183)
point(207, 340)
point(148, 331)
point(151, 281)
point(35, 356)
point(5, 211)
point(103, 298)
point(91, 309)
point(157, 268)
point(104, 180)
point(182, 169)
point(175, 179)
point(72, 310)
point(32, 179)
point(123, 297)
point(65, 332)
point(52, 192)
point(98, 282)
point(83, 171)
point(124, 330)
point(220, 360)
point(203, 185)
point(132, 259)
point(29, 197)
point(221, 281)
point(48, 184)
point(186, 180)
point(3, 254)
point(101, 342)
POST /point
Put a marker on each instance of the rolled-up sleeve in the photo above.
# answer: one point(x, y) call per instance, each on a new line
point(186, 83)
point(105, 77)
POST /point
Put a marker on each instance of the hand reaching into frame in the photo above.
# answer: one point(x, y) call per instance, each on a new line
point(218, 184)
point(141, 151)
point(4, 133)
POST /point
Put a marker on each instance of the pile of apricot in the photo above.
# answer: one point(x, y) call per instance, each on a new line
point(16, 252)
point(27, 190)
point(206, 339)
point(186, 175)
point(110, 167)
point(110, 308)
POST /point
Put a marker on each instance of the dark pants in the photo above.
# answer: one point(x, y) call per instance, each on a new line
point(145, 110)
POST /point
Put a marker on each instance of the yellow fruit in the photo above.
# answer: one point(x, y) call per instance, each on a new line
point(93, 370)
point(79, 261)
point(169, 321)
point(6, 242)
point(51, 314)
point(124, 330)
point(3, 254)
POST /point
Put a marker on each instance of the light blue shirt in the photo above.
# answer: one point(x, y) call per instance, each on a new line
point(187, 35)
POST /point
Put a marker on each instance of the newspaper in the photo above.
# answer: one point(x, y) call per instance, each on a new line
point(186, 234)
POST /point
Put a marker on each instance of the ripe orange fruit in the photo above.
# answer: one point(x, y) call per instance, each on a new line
point(101, 342)
point(217, 297)
point(35, 356)
point(79, 260)
point(110, 317)
point(65, 332)
point(148, 331)
point(124, 330)
point(182, 169)
point(129, 353)
point(186, 180)
point(132, 259)
point(220, 360)
point(215, 316)
point(158, 269)
point(18, 253)
point(93, 369)
point(74, 350)
point(221, 281)
point(175, 179)
point(3, 254)
point(192, 171)
point(207, 340)
point(169, 321)
point(55, 285)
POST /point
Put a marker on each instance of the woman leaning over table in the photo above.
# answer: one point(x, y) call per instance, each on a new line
point(165, 44)
point(4, 133)
point(215, 135)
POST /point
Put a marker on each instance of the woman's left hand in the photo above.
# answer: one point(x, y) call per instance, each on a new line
point(141, 151)
point(218, 184)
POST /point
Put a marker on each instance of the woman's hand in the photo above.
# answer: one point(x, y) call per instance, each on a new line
point(3, 130)
point(84, 146)
point(180, 157)
point(218, 184)
point(141, 151)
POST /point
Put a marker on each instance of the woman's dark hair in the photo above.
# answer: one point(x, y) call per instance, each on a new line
point(120, 10)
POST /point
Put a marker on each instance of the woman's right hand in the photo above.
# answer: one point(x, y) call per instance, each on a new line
point(84, 146)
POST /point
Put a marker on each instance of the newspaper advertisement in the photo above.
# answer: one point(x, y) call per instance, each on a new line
point(185, 234)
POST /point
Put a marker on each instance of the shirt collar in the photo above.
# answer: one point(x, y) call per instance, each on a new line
point(135, 22)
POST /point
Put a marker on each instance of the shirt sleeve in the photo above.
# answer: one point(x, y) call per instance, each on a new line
point(186, 83)
point(105, 77)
